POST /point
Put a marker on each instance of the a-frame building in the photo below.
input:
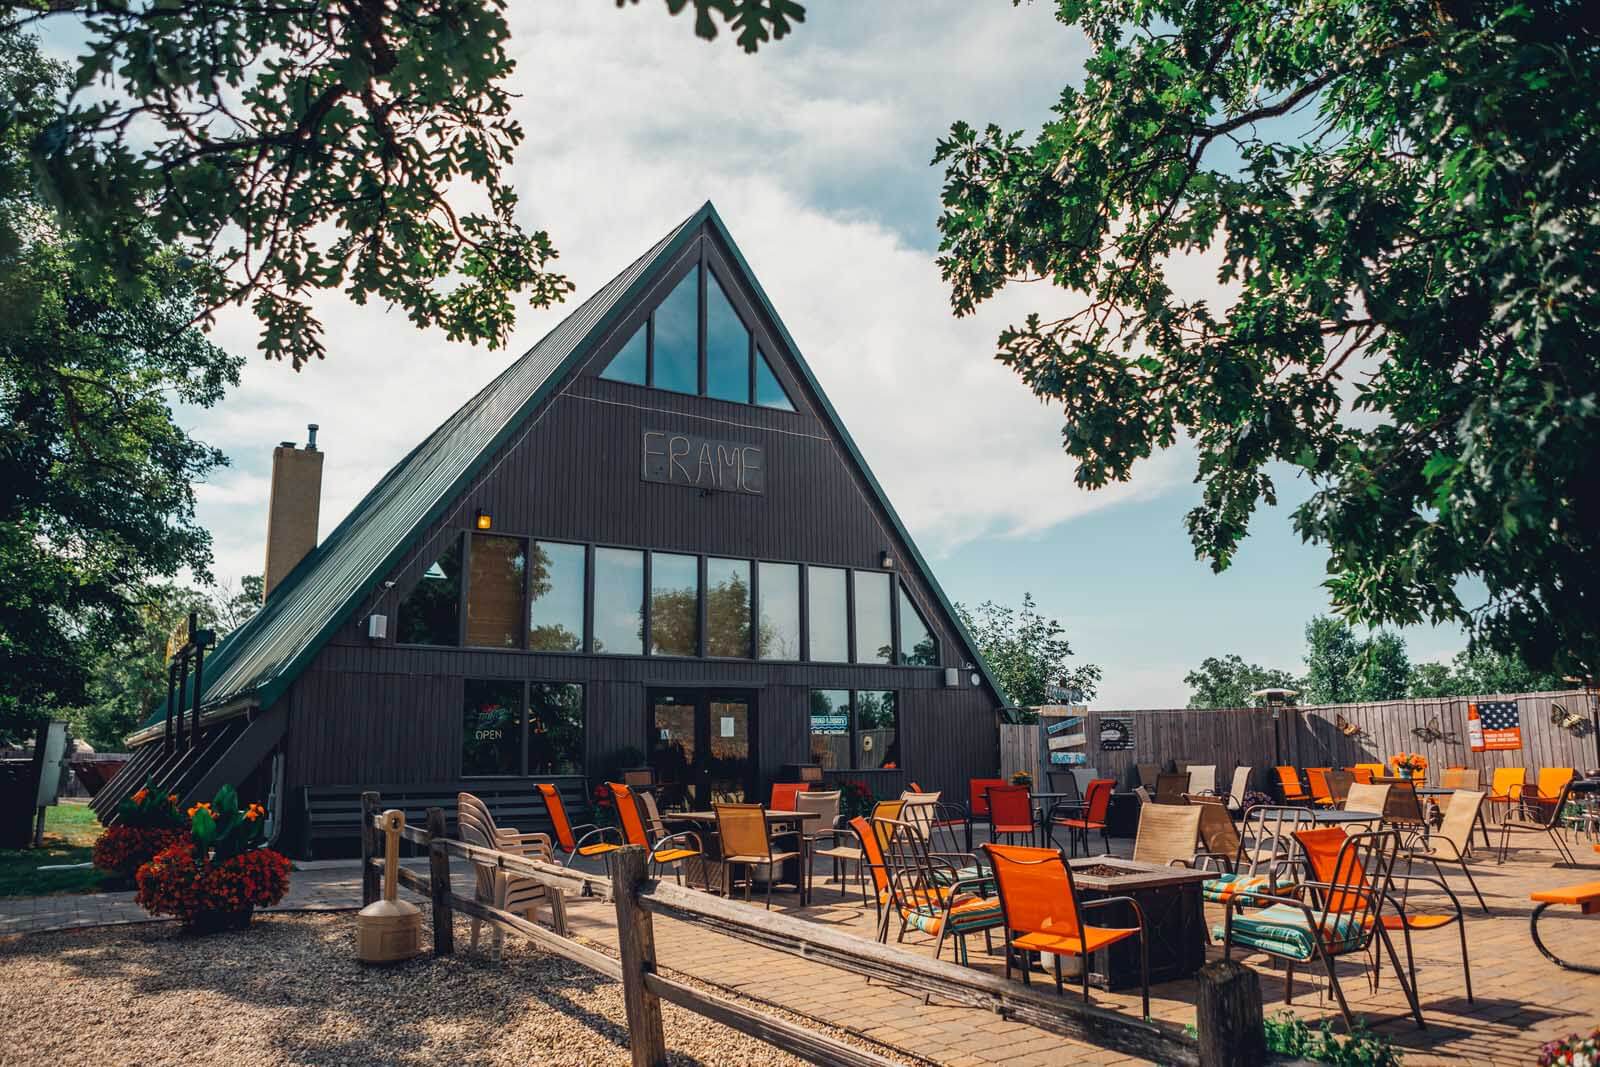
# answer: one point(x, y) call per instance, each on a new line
point(649, 542)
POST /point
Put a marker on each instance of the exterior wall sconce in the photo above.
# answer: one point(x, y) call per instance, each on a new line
point(484, 520)
point(885, 560)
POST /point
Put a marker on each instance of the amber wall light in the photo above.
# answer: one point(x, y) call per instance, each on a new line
point(484, 520)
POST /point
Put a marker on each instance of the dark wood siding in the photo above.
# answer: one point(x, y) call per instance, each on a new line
point(374, 710)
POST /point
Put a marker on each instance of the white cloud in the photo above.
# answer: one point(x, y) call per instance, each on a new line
point(815, 154)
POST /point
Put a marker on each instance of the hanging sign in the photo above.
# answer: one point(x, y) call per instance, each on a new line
point(1494, 726)
point(703, 463)
point(1116, 734)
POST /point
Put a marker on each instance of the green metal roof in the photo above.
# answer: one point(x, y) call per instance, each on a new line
point(261, 658)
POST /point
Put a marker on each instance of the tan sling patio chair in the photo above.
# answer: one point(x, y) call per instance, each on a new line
point(1366, 796)
point(1171, 787)
point(747, 843)
point(1167, 834)
point(1453, 839)
point(1202, 778)
point(498, 889)
point(1239, 787)
point(1219, 837)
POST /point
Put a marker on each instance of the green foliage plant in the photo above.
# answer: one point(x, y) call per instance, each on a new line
point(1288, 1035)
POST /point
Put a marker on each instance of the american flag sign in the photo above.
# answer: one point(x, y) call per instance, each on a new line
point(1494, 725)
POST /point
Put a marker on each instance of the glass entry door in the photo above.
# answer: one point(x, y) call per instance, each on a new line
point(702, 746)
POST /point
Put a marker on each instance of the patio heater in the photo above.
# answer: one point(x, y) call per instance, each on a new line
point(1277, 700)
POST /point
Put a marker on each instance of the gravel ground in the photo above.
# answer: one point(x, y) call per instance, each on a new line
point(289, 991)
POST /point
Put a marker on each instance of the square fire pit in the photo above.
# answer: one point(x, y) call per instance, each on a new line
point(1174, 916)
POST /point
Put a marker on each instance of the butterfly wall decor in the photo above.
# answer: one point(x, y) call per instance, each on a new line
point(1351, 729)
point(1570, 721)
point(1431, 733)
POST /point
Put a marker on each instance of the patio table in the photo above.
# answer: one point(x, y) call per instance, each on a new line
point(707, 868)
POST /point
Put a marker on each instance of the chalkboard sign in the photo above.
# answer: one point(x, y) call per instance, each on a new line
point(703, 463)
point(1116, 734)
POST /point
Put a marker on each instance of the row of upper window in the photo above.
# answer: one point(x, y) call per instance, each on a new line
point(629, 602)
point(668, 351)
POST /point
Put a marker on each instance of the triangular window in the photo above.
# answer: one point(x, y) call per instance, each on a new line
point(628, 365)
point(727, 347)
point(677, 355)
point(769, 391)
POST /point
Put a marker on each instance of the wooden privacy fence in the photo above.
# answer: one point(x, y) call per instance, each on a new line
point(1312, 736)
point(1228, 1015)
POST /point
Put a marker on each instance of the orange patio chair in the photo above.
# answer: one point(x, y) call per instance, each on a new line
point(1289, 782)
point(1323, 920)
point(871, 838)
point(978, 802)
point(1505, 788)
point(1092, 816)
point(1042, 913)
point(1011, 812)
point(585, 839)
point(1538, 815)
point(1366, 772)
point(1321, 790)
point(1552, 780)
point(1324, 848)
point(783, 794)
point(671, 849)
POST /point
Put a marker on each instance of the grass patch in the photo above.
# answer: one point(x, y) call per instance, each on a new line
point(70, 831)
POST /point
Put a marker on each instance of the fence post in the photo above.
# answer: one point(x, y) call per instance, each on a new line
point(444, 923)
point(636, 941)
point(1228, 1015)
point(369, 873)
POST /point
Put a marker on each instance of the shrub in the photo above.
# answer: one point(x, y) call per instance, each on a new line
point(147, 822)
point(1289, 1036)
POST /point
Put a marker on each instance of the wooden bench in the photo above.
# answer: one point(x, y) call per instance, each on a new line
point(330, 815)
point(1585, 897)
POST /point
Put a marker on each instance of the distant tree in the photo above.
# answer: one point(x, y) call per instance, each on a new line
point(96, 474)
point(1399, 198)
point(1342, 668)
point(231, 608)
point(1332, 652)
point(1480, 673)
point(1383, 670)
point(295, 147)
point(1027, 652)
point(1229, 681)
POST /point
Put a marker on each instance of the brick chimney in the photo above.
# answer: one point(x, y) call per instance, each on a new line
point(292, 510)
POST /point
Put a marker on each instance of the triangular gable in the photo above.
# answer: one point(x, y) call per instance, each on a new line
point(259, 660)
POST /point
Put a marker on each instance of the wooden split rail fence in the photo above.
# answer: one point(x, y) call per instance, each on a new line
point(1228, 1019)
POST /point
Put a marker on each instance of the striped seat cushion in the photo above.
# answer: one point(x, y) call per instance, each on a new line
point(968, 913)
point(1237, 888)
point(1283, 930)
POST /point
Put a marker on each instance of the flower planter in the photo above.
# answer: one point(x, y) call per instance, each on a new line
point(214, 921)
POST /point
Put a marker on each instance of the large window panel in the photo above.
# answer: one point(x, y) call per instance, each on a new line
point(728, 608)
point(677, 340)
point(917, 646)
point(877, 729)
point(629, 364)
point(874, 631)
point(830, 729)
point(778, 629)
point(555, 728)
point(769, 391)
point(491, 728)
point(431, 613)
point(827, 623)
point(674, 604)
point(727, 347)
point(618, 601)
point(494, 594)
point(555, 586)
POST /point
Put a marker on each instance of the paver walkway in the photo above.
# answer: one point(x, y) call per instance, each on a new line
point(1521, 999)
point(319, 885)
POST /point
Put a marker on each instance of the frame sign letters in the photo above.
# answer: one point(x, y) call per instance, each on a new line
point(703, 463)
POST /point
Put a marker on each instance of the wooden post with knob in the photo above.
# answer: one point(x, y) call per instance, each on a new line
point(444, 931)
point(636, 942)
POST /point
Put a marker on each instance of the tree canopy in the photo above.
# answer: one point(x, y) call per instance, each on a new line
point(1027, 652)
point(288, 148)
point(1401, 200)
point(1228, 682)
point(96, 475)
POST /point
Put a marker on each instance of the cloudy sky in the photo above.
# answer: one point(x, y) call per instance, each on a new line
point(816, 154)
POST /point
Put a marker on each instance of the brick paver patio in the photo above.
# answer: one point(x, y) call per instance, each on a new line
point(1521, 998)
